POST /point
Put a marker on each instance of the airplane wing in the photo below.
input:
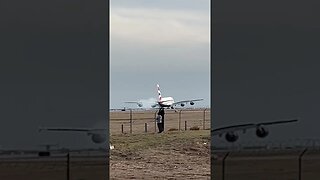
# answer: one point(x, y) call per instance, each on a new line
point(186, 101)
point(243, 127)
point(135, 102)
point(71, 129)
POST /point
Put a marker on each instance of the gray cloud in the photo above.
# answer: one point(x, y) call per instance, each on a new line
point(152, 44)
point(159, 26)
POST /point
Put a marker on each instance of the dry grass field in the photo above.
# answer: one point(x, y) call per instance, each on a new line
point(266, 165)
point(81, 167)
point(173, 120)
point(140, 155)
point(171, 155)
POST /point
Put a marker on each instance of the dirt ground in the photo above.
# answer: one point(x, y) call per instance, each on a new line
point(171, 155)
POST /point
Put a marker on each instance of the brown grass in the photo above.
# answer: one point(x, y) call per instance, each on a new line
point(195, 128)
point(169, 155)
point(173, 129)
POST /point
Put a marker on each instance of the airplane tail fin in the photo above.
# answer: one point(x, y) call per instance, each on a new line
point(159, 93)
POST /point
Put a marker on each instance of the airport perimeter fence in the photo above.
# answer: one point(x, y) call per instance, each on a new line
point(282, 164)
point(68, 166)
point(144, 121)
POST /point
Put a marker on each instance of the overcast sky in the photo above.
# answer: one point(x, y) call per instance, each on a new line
point(165, 42)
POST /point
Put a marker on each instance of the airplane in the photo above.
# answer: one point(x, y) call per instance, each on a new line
point(165, 102)
point(261, 130)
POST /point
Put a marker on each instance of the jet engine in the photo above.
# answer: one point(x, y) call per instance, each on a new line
point(261, 132)
point(231, 137)
point(140, 105)
point(182, 105)
point(191, 103)
point(98, 138)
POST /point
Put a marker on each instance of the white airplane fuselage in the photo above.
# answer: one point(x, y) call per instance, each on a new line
point(166, 101)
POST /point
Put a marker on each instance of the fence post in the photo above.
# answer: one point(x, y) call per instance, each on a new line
point(185, 125)
point(145, 127)
point(130, 121)
point(122, 128)
point(204, 118)
point(155, 122)
point(223, 165)
point(68, 166)
point(180, 119)
point(300, 162)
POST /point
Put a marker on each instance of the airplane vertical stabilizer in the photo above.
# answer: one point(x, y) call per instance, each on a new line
point(159, 93)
